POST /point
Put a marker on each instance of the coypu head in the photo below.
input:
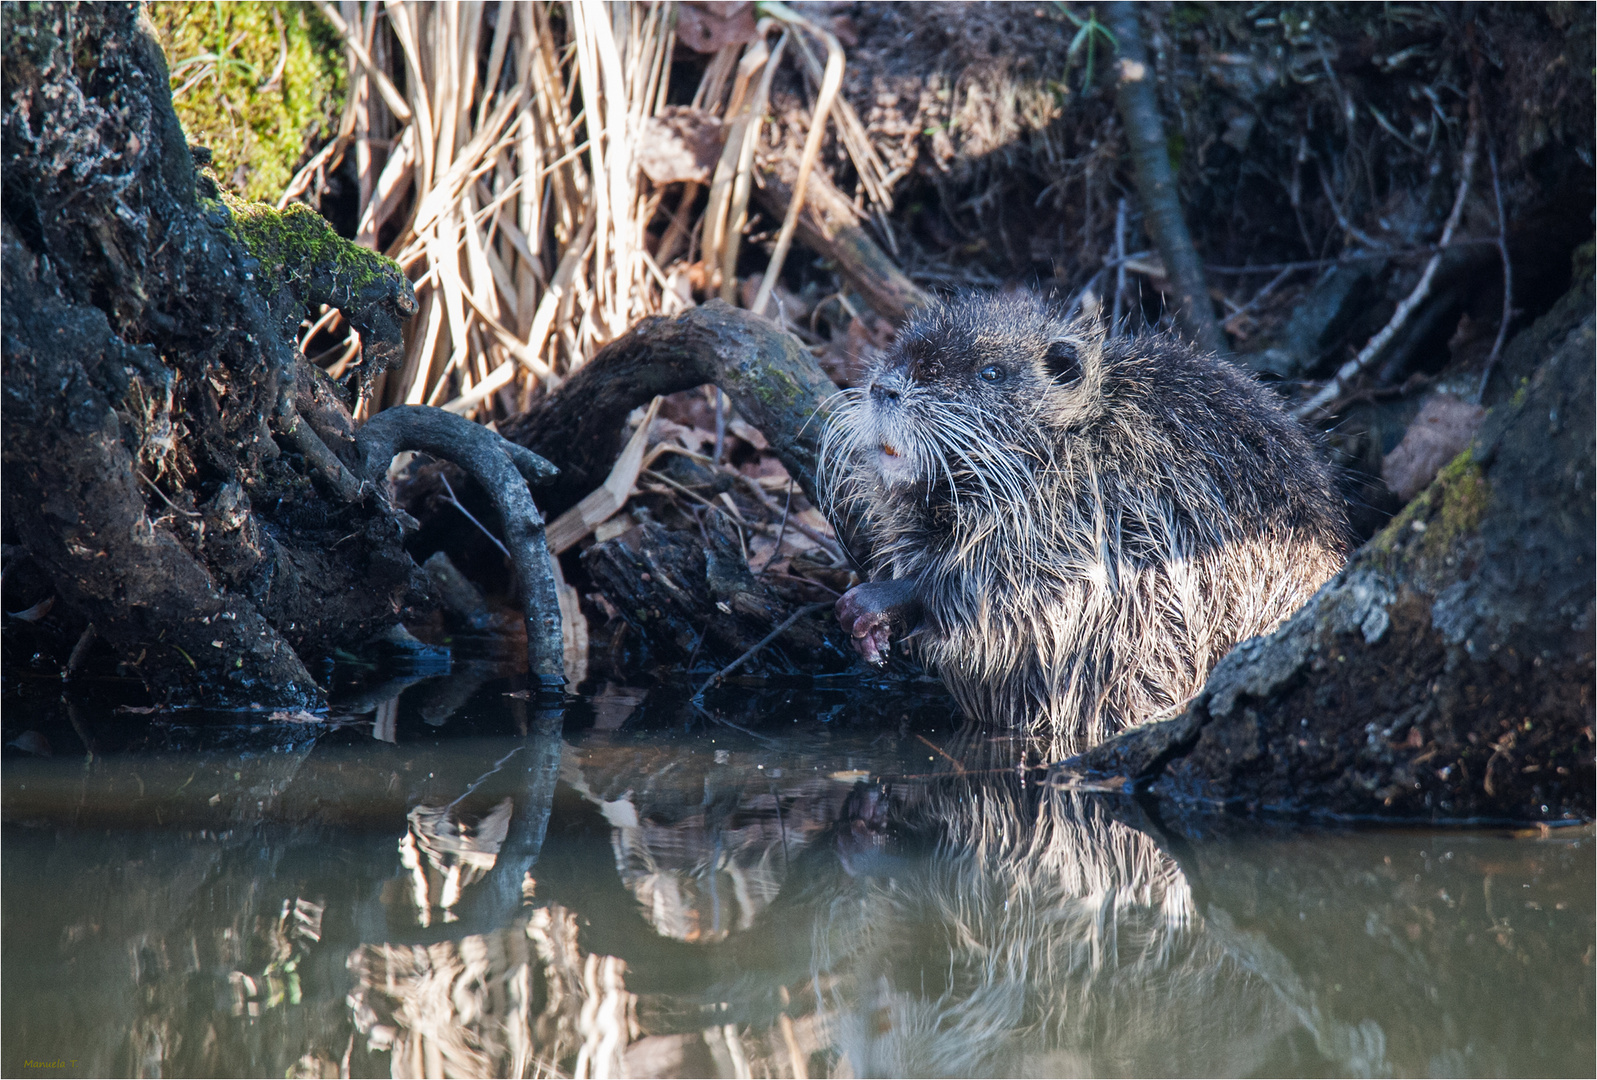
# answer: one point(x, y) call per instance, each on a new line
point(973, 394)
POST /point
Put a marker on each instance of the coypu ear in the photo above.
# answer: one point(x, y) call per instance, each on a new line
point(1063, 361)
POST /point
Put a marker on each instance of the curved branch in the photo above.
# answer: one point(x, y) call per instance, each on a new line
point(771, 378)
point(504, 470)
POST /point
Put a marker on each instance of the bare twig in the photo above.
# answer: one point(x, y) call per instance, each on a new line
point(454, 501)
point(1354, 256)
point(829, 544)
point(1341, 216)
point(830, 83)
point(781, 628)
point(1338, 384)
point(1260, 296)
point(1508, 277)
point(781, 530)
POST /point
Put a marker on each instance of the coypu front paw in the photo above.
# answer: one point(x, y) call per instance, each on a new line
point(877, 612)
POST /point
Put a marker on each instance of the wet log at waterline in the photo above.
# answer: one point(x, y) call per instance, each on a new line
point(1447, 672)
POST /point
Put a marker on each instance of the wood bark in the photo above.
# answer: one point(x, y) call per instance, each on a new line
point(1138, 102)
point(176, 473)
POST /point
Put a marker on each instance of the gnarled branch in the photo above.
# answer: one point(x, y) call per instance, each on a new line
point(504, 470)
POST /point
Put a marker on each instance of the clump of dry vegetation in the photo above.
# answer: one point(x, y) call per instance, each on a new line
point(1356, 181)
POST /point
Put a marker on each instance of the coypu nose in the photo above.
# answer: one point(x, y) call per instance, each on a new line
point(882, 394)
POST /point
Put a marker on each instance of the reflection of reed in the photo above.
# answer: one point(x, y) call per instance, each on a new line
point(457, 854)
point(517, 1002)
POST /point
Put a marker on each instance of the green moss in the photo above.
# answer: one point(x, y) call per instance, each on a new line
point(1462, 493)
point(1434, 521)
point(258, 83)
point(293, 244)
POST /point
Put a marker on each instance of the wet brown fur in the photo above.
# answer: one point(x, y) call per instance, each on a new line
point(1089, 522)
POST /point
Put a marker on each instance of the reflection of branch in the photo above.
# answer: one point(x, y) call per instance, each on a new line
point(477, 783)
point(1334, 389)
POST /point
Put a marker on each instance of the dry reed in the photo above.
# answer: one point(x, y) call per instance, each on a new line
point(497, 155)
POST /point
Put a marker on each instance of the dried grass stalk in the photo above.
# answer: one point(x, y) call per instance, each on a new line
point(504, 177)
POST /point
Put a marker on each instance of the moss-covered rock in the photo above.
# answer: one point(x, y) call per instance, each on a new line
point(259, 83)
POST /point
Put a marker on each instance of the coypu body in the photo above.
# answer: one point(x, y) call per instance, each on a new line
point(1071, 529)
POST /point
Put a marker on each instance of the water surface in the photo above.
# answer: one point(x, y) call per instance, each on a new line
point(830, 880)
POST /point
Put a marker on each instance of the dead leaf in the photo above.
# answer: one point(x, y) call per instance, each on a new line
point(299, 716)
point(34, 613)
point(709, 26)
point(680, 144)
point(1440, 432)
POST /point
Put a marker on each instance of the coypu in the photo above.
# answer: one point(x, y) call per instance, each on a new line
point(1070, 528)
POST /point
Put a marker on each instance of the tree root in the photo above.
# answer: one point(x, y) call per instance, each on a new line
point(504, 470)
point(771, 378)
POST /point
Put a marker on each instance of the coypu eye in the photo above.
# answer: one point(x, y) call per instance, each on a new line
point(992, 373)
point(1063, 362)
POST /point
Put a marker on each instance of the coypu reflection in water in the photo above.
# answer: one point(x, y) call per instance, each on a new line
point(1040, 937)
point(1070, 528)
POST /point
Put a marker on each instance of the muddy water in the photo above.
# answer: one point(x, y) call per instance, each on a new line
point(794, 882)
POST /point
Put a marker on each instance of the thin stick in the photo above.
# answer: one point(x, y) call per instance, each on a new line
point(827, 542)
point(455, 502)
point(1508, 277)
point(830, 83)
point(1338, 384)
point(698, 695)
point(1320, 264)
point(781, 529)
point(1258, 297)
